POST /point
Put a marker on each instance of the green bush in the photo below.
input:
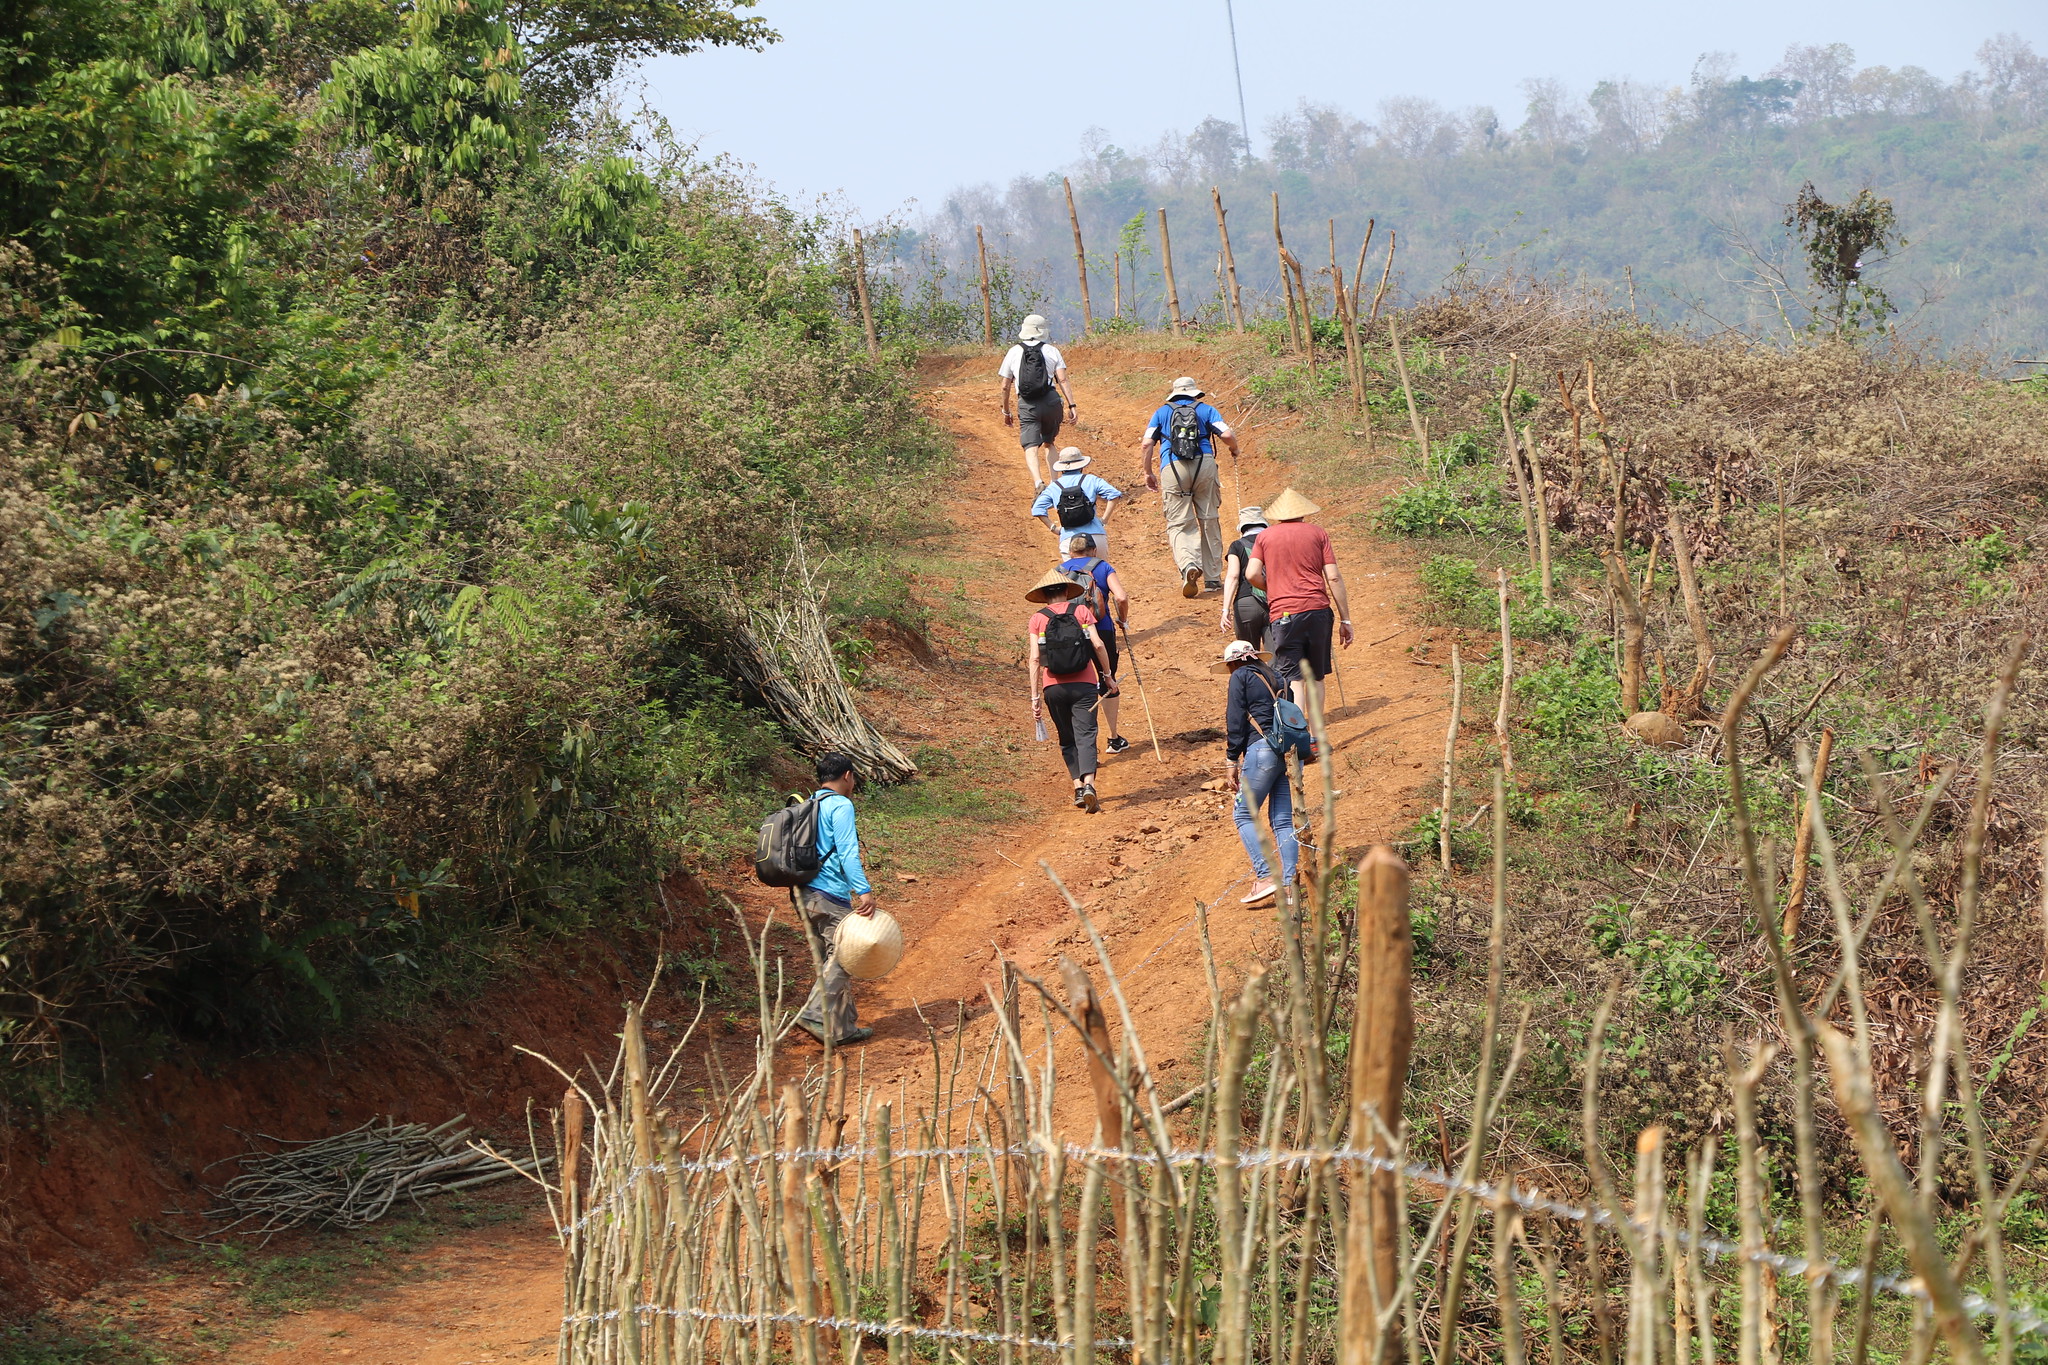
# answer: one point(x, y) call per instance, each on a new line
point(1674, 972)
point(1453, 583)
point(1571, 700)
point(1442, 507)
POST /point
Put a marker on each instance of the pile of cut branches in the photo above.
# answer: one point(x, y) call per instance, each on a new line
point(784, 651)
point(355, 1177)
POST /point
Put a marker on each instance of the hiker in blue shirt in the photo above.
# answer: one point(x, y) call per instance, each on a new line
point(1186, 477)
point(1112, 608)
point(1100, 493)
point(840, 889)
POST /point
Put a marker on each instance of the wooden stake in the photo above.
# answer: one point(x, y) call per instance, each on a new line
point(1443, 839)
point(1308, 336)
point(1229, 260)
point(1507, 426)
point(1535, 456)
point(1702, 642)
point(1564, 390)
point(1632, 632)
point(1119, 286)
point(1166, 258)
point(1384, 1030)
point(1354, 365)
point(1080, 258)
point(1507, 674)
point(988, 308)
point(1294, 332)
point(1358, 274)
point(860, 290)
point(1802, 844)
point(1109, 1113)
point(1336, 277)
point(1408, 391)
point(1385, 275)
point(1780, 472)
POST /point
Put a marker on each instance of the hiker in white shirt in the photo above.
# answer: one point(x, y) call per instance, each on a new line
point(1039, 389)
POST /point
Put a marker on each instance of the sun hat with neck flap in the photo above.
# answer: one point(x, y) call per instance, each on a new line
point(1070, 460)
point(1054, 580)
point(1248, 517)
point(1185, 387)
point(1290, 506)
point(1033, 328)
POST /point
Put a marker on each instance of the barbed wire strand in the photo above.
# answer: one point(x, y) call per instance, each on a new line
point(879, 1329)
point(1529, 1200)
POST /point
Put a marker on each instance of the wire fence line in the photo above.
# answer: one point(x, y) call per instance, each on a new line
point(831, 1324)
point(1488, 1193)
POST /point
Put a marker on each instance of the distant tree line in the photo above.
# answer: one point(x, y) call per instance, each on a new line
point(1678, 191)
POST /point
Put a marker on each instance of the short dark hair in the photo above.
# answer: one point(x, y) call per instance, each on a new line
point(1081, 540)
point(832, 767)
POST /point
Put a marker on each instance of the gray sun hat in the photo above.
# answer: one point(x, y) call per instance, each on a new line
point(1248, 517)
point(1185, 387)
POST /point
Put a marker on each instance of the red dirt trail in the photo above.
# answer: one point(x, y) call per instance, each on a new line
point(1161, 841)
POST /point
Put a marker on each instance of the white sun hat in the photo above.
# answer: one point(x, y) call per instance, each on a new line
point(1034, 328)
point(869, 946)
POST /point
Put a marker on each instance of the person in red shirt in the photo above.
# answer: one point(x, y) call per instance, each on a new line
point(1070, 693)
point(1292, 560)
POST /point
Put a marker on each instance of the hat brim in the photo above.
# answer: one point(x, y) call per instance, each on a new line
point(1224, 665)
point(1290, 506)
point(1041, 594)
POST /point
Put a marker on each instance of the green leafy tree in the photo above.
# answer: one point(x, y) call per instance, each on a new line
point(162, 263)
point(443, 99)
point(574, 47)
point(1841, 242)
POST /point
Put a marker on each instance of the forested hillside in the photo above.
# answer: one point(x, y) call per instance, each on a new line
point(385, 436)
point(1684, 188)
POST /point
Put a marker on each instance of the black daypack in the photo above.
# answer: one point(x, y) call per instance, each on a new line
point(1184, 432)
point(787, 854)
point(1034, 378)
point(1075, 507)
point(1066, 647)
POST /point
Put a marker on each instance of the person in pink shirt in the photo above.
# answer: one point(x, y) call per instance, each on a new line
point(1293, 561)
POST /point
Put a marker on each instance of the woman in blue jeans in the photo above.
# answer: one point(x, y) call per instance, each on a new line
point(1257, 769)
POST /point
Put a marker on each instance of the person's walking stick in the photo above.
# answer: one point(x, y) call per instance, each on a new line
point(1236, 493)
point(1139, 678)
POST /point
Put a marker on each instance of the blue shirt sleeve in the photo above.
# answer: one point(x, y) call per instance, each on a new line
point(1103, 488)
point(1045, 499)
point(845, 839)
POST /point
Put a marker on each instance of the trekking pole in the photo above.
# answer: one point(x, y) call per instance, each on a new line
point(1139, 678)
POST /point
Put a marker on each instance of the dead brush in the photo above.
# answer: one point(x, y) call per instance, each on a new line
point(802, 1214)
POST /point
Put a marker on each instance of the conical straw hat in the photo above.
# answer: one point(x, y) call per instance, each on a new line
point(1054, 578)
point(1290, 506)
point(869, 946)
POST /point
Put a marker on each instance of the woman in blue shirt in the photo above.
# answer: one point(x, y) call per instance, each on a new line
point(1100, 492)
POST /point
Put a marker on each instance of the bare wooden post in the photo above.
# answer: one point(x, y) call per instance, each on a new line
point(1385, 275)
point(1229, 260)
point(796, 1245)
point(1535, 458)
point(1308, 336)
point(1109, 1114)
point(860, 290)
point(1286, 280)
point(1166, 260)
point(1080, 259)
point(1358, 274)
point(1507, 675)
point(1408, 391)
point(1383, 1034)
point(1802, 845)
point(1119, 305)
point(1695, 616)
point(1632, 632)
point(1443, 838)
point(1507, 426)
point(988, 308)
point(1354, 366)
point(1020, 1104)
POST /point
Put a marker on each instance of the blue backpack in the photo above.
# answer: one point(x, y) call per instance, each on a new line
point(1290, 727)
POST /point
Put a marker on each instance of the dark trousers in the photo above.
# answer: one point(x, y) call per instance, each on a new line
point(1072, 707)
point(1248, 618)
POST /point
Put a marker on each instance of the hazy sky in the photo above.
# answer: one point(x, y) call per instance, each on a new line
point(891, 101)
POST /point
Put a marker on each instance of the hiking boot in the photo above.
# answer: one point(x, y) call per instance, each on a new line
point(1089, 801)
point(1117, 744)
point(1262, 889)
point(1191, 582)
point(859, 1035)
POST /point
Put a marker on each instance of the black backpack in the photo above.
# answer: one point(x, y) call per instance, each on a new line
point(1034, 379)
point(1184, 432)
point(787, 853)
point(1076, 508)
point(1066, 648)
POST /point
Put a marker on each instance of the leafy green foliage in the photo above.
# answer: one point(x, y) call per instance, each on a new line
point(444, 98)
point(1841, 242)
point(577, 46)
point(1571, 699)
point(1674, 972)
point(1442, 507)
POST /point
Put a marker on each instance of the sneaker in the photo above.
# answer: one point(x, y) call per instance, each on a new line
point(1080, 801)
point(1262, 889)
point(1089, 801)
point(1213, 584)
point(1191, 582)
point(1117, 744)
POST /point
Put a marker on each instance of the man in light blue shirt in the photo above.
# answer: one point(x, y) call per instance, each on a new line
point(1101, 496)
point(840, 889)
point(1180, 432)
